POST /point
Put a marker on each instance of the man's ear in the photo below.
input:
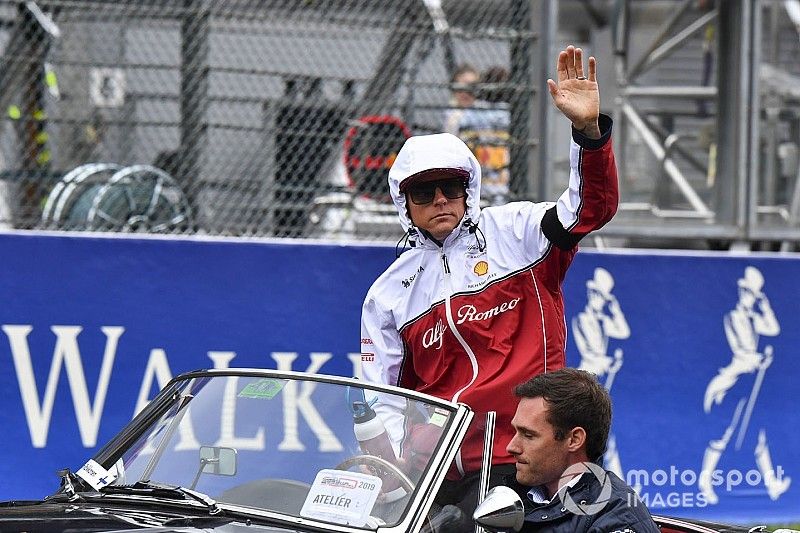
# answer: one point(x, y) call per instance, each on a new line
point(576, 439)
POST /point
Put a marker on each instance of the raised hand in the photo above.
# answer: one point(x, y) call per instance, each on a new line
point(576, 95)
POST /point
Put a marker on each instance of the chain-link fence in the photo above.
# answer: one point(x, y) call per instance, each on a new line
point(268, 118)
point(281, 118)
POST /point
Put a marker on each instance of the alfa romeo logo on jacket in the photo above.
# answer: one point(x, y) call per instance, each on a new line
point(434, 335)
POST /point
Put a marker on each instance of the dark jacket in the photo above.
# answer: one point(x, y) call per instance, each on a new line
point(624, 511)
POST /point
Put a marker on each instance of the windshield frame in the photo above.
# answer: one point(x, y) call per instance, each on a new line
point(420, 502)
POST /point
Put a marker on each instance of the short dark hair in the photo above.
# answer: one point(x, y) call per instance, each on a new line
point(496, 87)
point(574, 399)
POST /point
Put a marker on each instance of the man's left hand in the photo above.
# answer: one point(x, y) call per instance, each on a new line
point(576, 94)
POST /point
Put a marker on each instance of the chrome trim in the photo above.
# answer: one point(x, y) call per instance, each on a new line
point(677, 522)
point(329, 378)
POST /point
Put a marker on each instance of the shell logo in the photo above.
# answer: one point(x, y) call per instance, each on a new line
point(481, 268)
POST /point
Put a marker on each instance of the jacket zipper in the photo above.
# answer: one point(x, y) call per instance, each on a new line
point(472, 359)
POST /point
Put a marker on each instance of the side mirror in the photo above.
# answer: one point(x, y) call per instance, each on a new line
point(501, 510)
point(218, 460)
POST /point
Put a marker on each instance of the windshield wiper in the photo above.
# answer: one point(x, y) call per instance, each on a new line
point(160, 490)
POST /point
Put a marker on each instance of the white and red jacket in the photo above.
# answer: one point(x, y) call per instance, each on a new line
point(470, 319)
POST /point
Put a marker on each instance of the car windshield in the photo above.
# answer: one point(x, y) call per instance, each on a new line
point(316, 448)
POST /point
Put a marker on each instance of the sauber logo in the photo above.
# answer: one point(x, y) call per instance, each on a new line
point(469, 312)
point(434, 335)
point(407, 282)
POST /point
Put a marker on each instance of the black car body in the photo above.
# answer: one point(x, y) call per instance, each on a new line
point(168, 471)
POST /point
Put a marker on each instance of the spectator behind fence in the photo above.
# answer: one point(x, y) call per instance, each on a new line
point(462, 88)
point(476, 305)
point(483, 124)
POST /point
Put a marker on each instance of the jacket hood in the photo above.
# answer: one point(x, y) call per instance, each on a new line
point(426, 152)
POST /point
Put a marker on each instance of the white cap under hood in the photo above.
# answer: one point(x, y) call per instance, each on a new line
point(426, 152)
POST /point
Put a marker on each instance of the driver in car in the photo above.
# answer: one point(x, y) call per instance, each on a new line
point(560, 433)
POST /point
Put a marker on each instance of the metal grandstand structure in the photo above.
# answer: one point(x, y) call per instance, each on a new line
point(278, 118)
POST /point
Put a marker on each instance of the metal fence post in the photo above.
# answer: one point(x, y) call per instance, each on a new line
point(193, 95)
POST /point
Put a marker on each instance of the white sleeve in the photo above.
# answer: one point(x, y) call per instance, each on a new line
point(381, 358)
point(514, 223)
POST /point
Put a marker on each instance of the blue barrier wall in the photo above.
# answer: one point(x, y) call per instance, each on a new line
point(91, 327)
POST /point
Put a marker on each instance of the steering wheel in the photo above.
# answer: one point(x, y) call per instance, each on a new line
point(380, 464)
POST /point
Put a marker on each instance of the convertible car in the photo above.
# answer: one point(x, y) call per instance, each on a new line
point(260, 450)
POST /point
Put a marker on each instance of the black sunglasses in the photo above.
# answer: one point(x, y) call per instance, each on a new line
point(424, 193)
